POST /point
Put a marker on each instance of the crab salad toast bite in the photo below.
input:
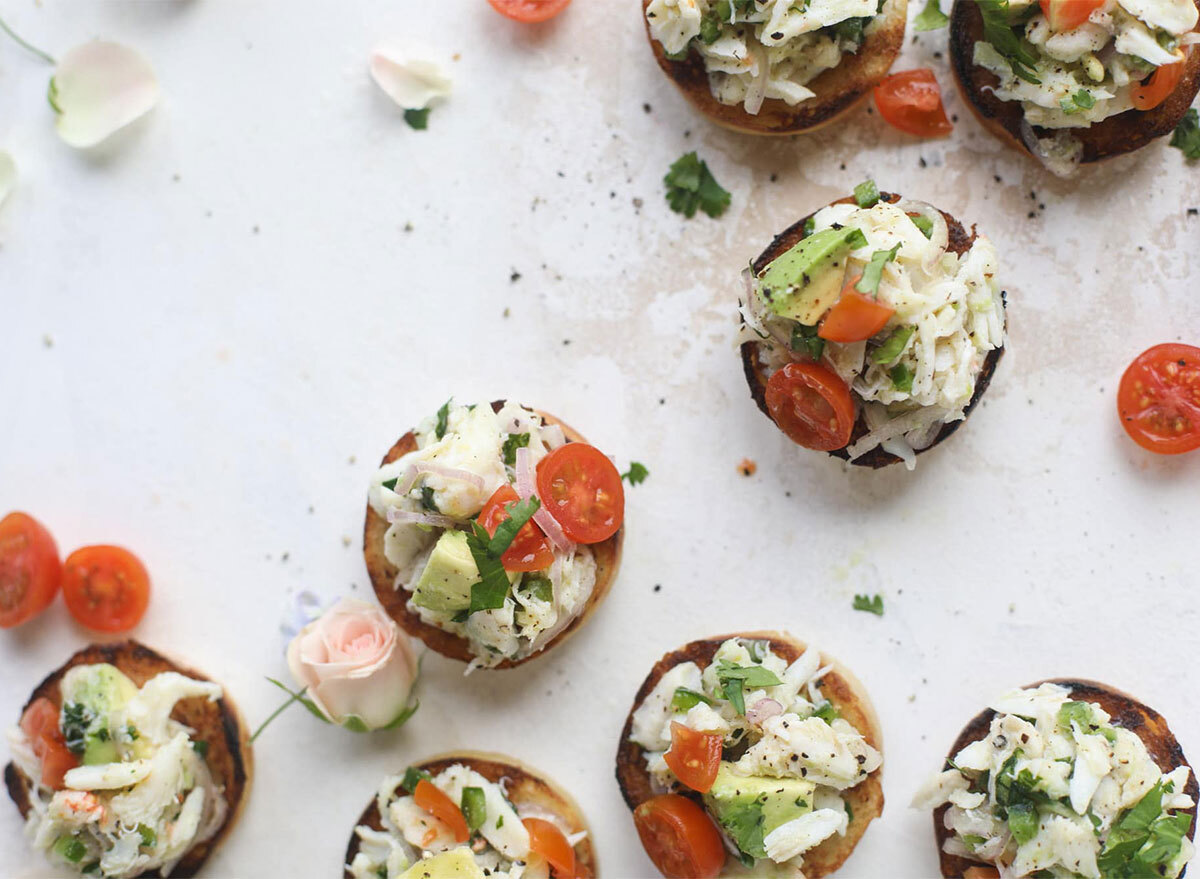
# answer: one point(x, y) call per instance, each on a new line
point(470, 816)
point(872, 328)
point(1064, 779)
point(775, 66)
point(751, 754)
point(442, 544)
point(1076, 81)
point(125, 764)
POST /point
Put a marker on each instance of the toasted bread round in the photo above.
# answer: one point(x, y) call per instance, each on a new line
point(960, 242)
point(525, 788)
point(220, 724)
point(838, 90)
point(395, 600)
point(839, 686)
point(1145, 722)
point(1113, 136)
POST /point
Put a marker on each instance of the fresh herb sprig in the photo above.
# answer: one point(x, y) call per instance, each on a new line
point(691, 186)
point(489, 592)
point(867, 604)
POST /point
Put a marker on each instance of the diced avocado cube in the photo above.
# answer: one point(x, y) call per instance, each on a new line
point(445, 584)
point(457, 863)
point(805, 281)
point(91, 694)
point(750, 807)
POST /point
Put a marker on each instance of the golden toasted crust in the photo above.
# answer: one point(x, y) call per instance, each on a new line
point(960, 242)
point(1145, 722)
point(229, 757)
point(395, 601)
point(839, 686)
point(837, 91)
point(1114, 136)
point(525, 788)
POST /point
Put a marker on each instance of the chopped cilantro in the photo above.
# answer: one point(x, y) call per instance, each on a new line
point(1187, 134)
point(636, 474)
point(866, 194)
point(1078, 102)
point(809, 226)
point(735, 678)
point(931, 17)
point(492, 587)
point(390, 484)
point(998, 30)
point(873, 271)
point(70, 848)
point(805, 338)
point(868, 604)
point(75, 721)
point(539, 587)
point(826, 712)
point(515, 441)
point(427, 501)
point(851, 29)
point(413, 777)
point(443, 416)
point(201, 748)
point(923, 223)
point(1023, 821)
point(710, 28)
point(894, 346)
point(685, 699)
point(148, 835)
point(690, 185)
point(418, 120)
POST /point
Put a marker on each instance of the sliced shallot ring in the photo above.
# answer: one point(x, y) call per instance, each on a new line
point(527, 487)
point(437, 520)
point(939, 235)
point(419, 467)
point(762, 709)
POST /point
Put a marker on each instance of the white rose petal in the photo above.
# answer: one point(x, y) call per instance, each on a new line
point(99, 88)
point(8, 175)
point(410, 82)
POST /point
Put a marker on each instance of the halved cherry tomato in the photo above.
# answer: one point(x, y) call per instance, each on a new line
point(430, 797)
point(40, 725)
point(854, 317)
point(582, 490)
point(530, 551)
point(680, 838)
point(1159, 399)
point(106, 588)
point(912, 101)
point(548, 841)
point(529, 10)
point(30, 570)
point(1157, 87)
point(694, 757)
point(812, 405)
point(1066, 15)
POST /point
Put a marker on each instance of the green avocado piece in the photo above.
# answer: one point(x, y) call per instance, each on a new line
point(805, 281)
point(457, 863)
point(750, 807)
point(445, 584)
point(91, 694)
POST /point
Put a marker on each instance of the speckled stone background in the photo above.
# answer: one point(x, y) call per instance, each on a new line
point(211, 329)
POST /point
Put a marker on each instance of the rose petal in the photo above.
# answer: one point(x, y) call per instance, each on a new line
point(410, 82)
point(98, 89)
point(8, 175)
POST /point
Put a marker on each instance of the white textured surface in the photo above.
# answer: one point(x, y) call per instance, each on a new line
point(211, 330)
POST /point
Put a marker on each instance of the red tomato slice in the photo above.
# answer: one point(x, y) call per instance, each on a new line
point(582, 490)
point(1157, 87)
point(40, 725)
point(812, 405)
point(912, 101)
point(854, 317)
point(529, 10)
point(1159, 399)
point(106, 588)
point(30, 571)
point(429, 797)
point(548, 841)
point(680, 838)
point(1066, 15)
point(531, 550)
point(694, 757)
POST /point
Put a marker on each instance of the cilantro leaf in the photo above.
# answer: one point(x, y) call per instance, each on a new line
point(923, 223)
point(1023, 821)
point(515, 441)
point(998, 31)
point(931, 17)
point(413, 777)
point(809, 227)
point(894, 346)
point(519, 513)
point(1078, 102)
point(443, 415)
point(866, 194)
point(636, 474)
point(427, 501)
point(868, 604)
point(418, 120)
point(826, 712)
point(690, 185)
point(873, 271)
point(539, 587)
point(685, 699)
point(1187, 135)
point(735, 678)
point(490, 591)
point(805, 338)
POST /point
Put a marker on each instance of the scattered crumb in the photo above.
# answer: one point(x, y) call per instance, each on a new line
point(912, 697)
point(176, 177)
point(283, 558)
point(507, 312)
point(48, 341)
point(408, 227)
point(747, 467)
point(646, 108)
point(346, 541)
point(255, 229)
point(353, 459)
point(637, 203)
